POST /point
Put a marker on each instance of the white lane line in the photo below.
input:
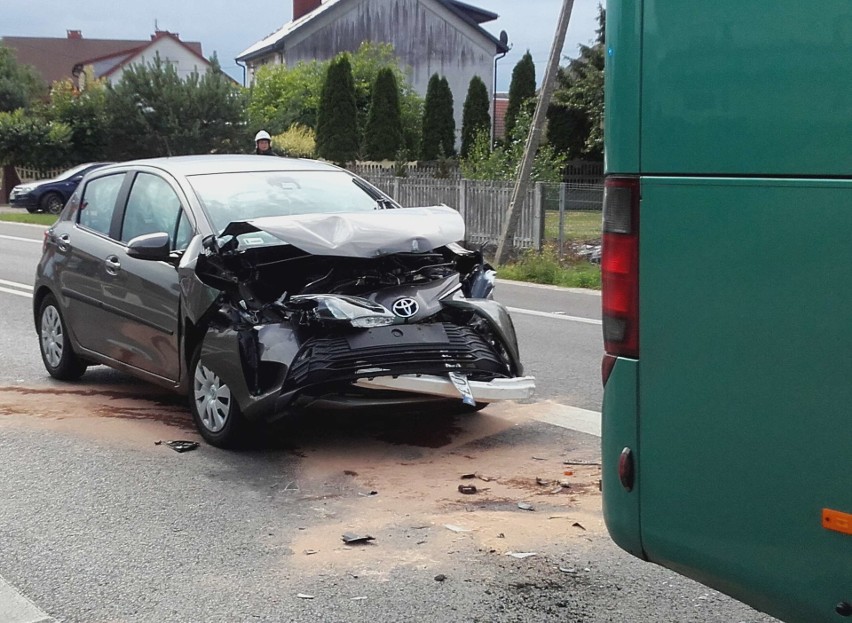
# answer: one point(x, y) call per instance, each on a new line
point(15, 608)
point(556, 316)
point(15, 284)
point(19, 293)
point(19, 239)
point(572, 418)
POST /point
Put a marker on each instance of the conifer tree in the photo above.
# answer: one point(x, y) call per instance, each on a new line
point(337, 117)
point(383, 136)
point(476, 116)
point(448, 120)
point(521, 90)
point(431, 120)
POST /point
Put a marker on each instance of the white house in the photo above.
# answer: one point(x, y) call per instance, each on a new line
point(429, 36)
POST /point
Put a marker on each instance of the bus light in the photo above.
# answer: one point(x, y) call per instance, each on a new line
point(620, 267)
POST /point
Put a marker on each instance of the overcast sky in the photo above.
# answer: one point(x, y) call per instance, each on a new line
point(228, 27)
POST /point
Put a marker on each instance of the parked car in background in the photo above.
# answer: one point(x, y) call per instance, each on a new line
point(266, 286)
point(50, 195)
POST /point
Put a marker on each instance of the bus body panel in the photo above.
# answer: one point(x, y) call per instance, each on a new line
point(753, 88)
point(745, 392)
point(737, 406)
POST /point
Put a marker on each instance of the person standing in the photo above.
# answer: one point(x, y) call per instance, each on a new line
point(263, 144)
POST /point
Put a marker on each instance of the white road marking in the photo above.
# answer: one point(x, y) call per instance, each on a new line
point(555, 315)
point(19, 293)
point(572, 418)
point(15, 284)
point(15, 608)
point(19, 239)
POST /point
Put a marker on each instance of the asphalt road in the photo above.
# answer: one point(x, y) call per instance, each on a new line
point(100, 524)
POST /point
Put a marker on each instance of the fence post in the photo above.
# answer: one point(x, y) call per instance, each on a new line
point(538, 216)
point(563, 196)
point(396, 189)
point(463, 199)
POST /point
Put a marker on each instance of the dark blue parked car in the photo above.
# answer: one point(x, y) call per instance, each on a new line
point(50, 195)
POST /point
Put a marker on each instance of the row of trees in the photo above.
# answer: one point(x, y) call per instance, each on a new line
point(357, 106)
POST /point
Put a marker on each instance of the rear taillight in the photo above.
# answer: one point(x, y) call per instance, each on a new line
point(620, 267)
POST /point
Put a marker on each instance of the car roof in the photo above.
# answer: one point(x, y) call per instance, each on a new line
point(229, 163)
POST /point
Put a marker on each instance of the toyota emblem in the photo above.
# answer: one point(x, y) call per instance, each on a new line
point(405, 308)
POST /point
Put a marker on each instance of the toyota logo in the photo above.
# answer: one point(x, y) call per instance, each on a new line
point(405, 308)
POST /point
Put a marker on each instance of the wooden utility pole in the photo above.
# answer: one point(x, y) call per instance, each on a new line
point(510, 221)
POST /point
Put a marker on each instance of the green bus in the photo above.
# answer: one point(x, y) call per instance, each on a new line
point(727, 296)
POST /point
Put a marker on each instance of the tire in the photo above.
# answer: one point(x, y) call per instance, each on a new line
point(59, 358)
point(52, 203)
point(32, 210)
point(214, 410)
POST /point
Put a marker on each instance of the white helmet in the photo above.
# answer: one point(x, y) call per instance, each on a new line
point(262, 135)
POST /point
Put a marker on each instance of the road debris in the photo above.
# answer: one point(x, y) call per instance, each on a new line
point(581, 463)
point(357, 539)
point(524, 506)
point(567, 569)
point(467, 489)
point(440, 577)
point(455, 528)
point(361, 598)
point(309, 552)
point(304, 596)
point(467, 476)
point(349, 472)
point(484, 478)
point(542, 481)
point(182, 446)
point(521, 555)
point(577, 524)
point(368, 495)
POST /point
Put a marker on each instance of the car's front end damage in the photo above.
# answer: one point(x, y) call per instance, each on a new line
point(351, 309)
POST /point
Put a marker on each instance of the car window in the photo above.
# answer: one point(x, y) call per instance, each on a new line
point(152, 206)
point(98, 202)
point(184, 232)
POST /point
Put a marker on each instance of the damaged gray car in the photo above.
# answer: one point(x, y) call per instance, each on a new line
point(264, 287)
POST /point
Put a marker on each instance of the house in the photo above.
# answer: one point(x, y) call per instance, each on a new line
point(429, 36)
point(56, 58)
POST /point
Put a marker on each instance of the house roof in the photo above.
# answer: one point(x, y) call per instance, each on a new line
point(469, 14)
point(55, 58)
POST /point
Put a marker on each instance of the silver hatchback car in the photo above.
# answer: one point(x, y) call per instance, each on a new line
point(263, 286)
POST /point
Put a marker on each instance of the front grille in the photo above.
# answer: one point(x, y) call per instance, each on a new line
point(332, 359)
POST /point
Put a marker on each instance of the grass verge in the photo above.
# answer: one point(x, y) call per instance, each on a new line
point(546, 268)
point(26, 217)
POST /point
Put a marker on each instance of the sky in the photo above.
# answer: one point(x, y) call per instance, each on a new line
point(228, 28)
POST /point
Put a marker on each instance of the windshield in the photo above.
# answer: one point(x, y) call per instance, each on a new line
point(75, 171)
point(228, 197)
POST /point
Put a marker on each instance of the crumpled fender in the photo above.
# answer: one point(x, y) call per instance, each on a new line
point(500, 321)
point(197, 298)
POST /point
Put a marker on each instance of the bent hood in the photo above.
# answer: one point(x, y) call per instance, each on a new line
point(361, 234)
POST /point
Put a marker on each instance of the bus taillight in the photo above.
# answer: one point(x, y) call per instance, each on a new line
point(620, 267)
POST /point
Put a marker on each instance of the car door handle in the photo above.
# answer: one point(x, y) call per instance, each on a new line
point(112, 265)
point(63, 242)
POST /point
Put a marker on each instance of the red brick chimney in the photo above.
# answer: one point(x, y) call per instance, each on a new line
point(75, 34)
point(303, 7)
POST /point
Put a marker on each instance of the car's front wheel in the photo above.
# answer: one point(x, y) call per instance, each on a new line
point(214, 409)
point(58, 356)
point(52, 203)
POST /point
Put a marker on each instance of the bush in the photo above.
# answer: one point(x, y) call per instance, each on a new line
point(545, 267)
point(299, 142)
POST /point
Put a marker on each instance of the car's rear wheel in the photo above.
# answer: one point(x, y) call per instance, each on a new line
point(58, 356)
point(214, 409)
point(52, 203)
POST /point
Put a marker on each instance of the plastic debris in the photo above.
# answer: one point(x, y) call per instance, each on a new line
point(462, 385)
point(520, 555)
point(309, 552)
point(182, 446)
point(361, 598)
point(484, 478)
point(542, 481)
point(501, 536)
point(577, 524)
point(467, 476)
point(525, 506)
point(467, 489)
point(567, 569)
point(455, 528)
point(369, 495)
point(569, 472)
point(158, 443)
point(440, 577)
point(304, 596)
point(357, 539)
point(349, 472)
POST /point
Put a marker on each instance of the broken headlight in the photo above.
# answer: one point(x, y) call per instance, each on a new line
point(332, 308)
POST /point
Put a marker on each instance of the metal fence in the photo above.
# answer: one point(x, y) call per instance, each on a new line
point(27, 174)
point(483, 205)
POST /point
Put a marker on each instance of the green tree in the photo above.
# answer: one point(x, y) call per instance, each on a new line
point(20, 85)
point(501, 163)
point(476, 115)
point(337, 118)
point(383, 136)
point(152, 112)
point(439, 126)
point(29, 139)
point(581, 97)
point(521, 90)
point(84, 112)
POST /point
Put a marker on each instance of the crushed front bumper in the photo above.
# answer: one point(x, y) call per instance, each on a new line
point(517, 388)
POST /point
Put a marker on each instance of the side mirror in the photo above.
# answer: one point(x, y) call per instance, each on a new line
point(156, 247)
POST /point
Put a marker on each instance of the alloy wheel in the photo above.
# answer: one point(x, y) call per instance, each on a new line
point(212, 399)
point(52, 336)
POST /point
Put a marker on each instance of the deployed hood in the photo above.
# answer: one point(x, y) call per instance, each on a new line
point(361, 234)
